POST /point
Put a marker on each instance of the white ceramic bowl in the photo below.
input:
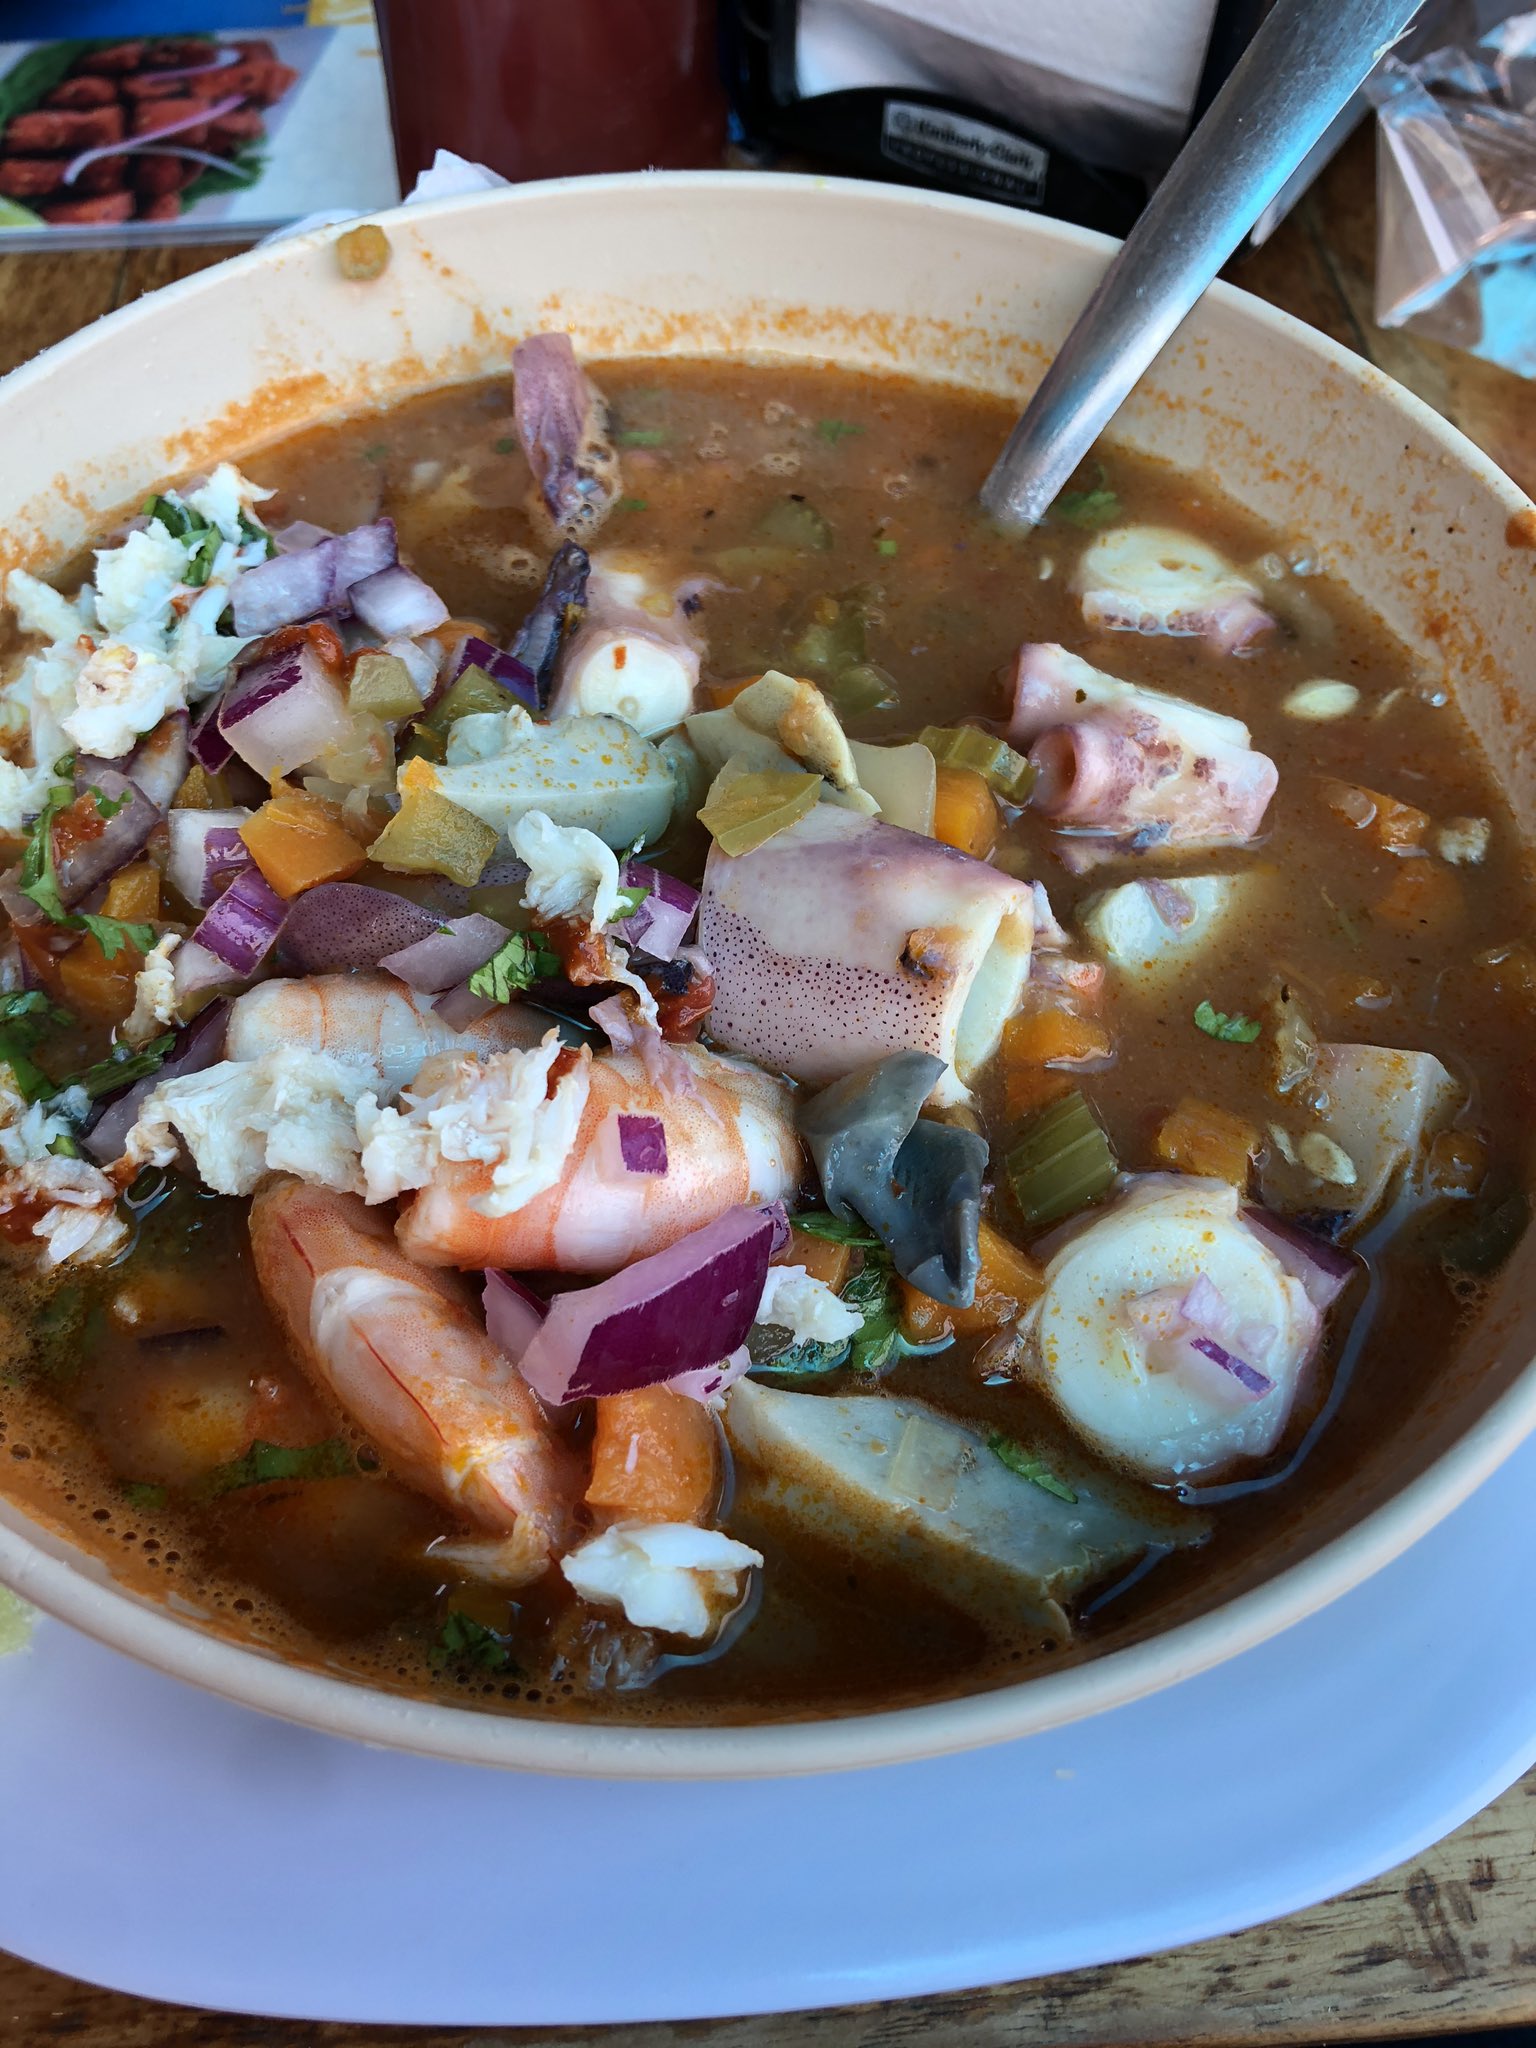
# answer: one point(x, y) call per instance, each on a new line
point(1308, 437)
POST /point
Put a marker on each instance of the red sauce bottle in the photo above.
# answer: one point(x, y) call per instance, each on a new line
point(550, 88)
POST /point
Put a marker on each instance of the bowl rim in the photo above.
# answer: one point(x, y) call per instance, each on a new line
point(183, 1647)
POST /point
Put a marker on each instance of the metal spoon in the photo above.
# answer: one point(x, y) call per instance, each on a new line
point(1295, 76)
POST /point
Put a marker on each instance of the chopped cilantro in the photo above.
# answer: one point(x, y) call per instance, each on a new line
point(38, 879)
point(630, 901)
point(1088, 508)
point(463, 1640)
point(1233, 1030)
point(821, 1223)
point(25, 1019)
point(202, 558)
point(121, 1067)
point(144, 1493)
point(872, 1291)
point(264, 1462)
point(1035, 1470)
point(884, 545)
point(504, 444)
point(833, 431)
point(109, 806)
point(517, 965)
point(113, 933)
point(641, 437)
point(377, 452)
point(633, 504)
point(64, 1333)
point(64, 1147)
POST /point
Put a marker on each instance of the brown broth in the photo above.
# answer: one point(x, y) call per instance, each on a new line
point(338, 1572)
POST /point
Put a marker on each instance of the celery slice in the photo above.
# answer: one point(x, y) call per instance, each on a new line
point(1062, 1161)
point(864, 687)
point(792, 523)
point(752, 808)
point(1007, 773)
point(381, 683)
point(430, 835)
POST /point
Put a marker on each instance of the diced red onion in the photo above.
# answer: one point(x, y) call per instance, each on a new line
point(676, 1313)
point(513, 675)
point(1203, 1305)
point(422, 660)
point(708, 1382)
point(195, 970)
point(157, 765)
point(1323, 1269)
point(299, 534)
point(122, 836)
point(447, 956)
point(643, 1144)
point(207, 853)
point(209, 748)
point(198, 1045)
point(282, 590)
point(341, 925)
point(664, 917)
point(513, 1315)
point(1172, 904)
point(460, 1007)
point(242, 926)
point(364, 552)
point(287, 588)
point(282, 709)
point(1253, 1382)
point(215, 111)
point(396, 600)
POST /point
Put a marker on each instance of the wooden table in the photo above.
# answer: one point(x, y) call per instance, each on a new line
point(1446, 1942)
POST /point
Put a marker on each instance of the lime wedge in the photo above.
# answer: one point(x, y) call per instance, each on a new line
point(13, 215)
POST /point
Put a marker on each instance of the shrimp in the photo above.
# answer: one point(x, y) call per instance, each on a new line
point(729, 1138)
point(369, 1021)
point(405, 1355)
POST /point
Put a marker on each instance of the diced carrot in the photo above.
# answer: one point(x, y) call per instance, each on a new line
point(1423, 897)
point(820, 1257)
point(1007, 1281)
point(134, 893)
point(1395, 826)
point(923, 1320)
point(1197, 1137)
point(298, 840)
point(655, 1457)
point(1039, 1050)
point(964, 813)
point(94, 987)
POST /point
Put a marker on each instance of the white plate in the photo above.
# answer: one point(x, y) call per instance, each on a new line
point(183, 1848)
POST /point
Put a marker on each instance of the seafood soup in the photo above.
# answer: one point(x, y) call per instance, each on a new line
point(646, 1072)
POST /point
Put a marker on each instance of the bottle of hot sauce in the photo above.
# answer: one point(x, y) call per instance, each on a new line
point(550, 88)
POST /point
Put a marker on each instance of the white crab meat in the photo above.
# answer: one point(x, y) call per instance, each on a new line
point(1149, 929)
point(1141, 1305)
point(672, 1576)
point(897, 1481)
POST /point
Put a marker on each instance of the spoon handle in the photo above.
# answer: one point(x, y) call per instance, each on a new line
point(1297, 73)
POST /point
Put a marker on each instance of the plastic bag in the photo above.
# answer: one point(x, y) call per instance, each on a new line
point(1456, 187)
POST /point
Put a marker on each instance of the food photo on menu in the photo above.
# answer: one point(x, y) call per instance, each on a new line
point(766, 959)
